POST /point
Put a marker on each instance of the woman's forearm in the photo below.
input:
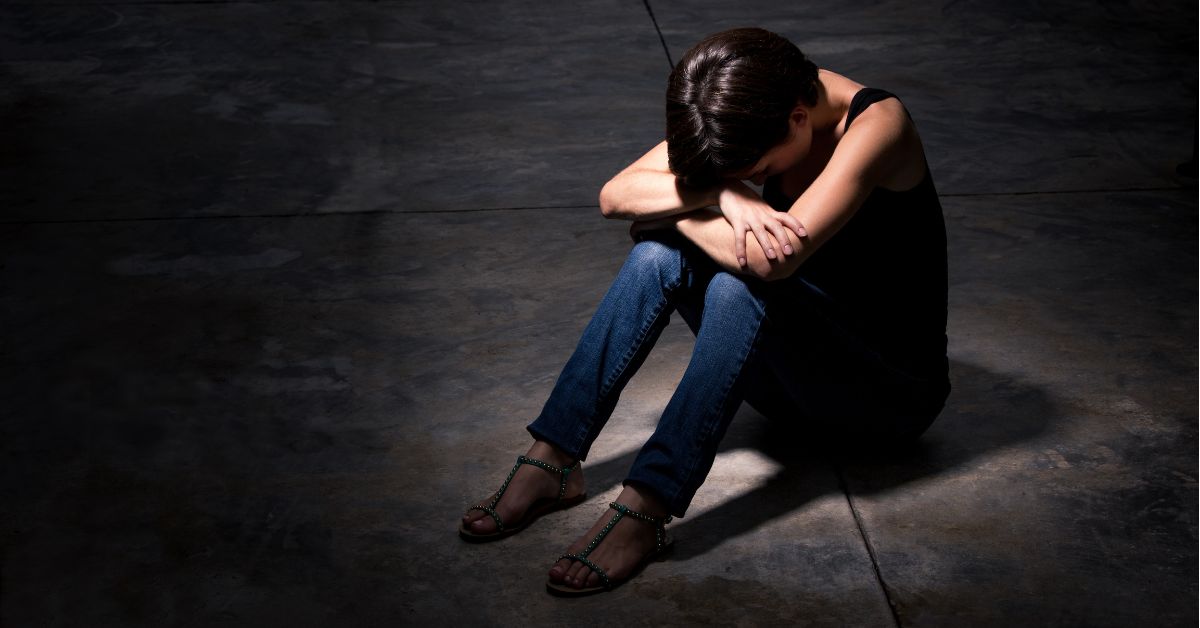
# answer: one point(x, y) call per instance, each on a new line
point(645, 194)
point(712, 234)
point(709, 231)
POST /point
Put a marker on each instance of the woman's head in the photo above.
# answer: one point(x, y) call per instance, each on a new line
point(729, 101)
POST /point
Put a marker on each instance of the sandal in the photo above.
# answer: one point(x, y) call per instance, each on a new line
point(538, 508)
point(661, 545)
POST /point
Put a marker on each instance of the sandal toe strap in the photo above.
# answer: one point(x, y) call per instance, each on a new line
point(491, 511)
point(590, 565)
point(562, 485)
point(660, 534)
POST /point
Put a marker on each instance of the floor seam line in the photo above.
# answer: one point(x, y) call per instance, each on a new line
point(862, 533)
point(470, 210)
point(658, 30)
point(292, 215)
point(1171, 188)
point(185, 2)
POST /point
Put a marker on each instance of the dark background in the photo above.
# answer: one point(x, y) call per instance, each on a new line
point(281, 283)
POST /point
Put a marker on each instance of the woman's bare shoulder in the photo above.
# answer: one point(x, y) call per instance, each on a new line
point(886, 133)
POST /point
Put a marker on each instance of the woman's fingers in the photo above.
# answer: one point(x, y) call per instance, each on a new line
point(739, 242)
point(768, 226)
point(768, 247)
point(780, 228)
point(780, 234)
point(793, 223)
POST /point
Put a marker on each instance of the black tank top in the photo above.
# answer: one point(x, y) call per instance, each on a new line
point(886, 268)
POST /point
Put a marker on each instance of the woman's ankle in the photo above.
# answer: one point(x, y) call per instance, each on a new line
point(546, 452)
point(643, 500)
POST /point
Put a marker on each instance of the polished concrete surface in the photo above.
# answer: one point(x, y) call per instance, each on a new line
point(282, 282)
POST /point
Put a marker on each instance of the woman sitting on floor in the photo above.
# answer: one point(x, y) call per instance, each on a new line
point(821, 302)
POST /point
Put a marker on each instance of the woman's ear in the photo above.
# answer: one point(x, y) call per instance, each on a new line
point(799, 116)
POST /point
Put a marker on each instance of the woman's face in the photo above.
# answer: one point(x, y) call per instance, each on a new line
point(783, 156)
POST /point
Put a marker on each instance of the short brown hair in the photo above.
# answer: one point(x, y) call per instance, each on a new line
point(729, 100)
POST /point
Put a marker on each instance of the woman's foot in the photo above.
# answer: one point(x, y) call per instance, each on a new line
point(622, 551)
point(529, 484)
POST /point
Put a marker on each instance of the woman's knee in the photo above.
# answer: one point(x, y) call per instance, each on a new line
point(658, 260)
point(728, 290)
point(731, 309)
point(654, 253)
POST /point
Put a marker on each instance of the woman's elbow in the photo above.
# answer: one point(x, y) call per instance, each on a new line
point(782, 267)
point(606, 205)
point(774, 270)
point(609, 206)
point(759, 267)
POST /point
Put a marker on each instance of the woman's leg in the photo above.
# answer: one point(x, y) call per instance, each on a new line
point(677, 457)
point(783, 346)
point(791, 352)
point(630, 318)
point(679, 454)
point(621, 333)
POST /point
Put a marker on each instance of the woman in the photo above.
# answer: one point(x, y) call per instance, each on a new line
point(821, 302)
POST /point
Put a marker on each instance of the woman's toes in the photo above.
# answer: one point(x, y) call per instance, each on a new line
point(592, 579)
point(575, 575)
point(558, 571)
point(581, 578)
point(481, 525)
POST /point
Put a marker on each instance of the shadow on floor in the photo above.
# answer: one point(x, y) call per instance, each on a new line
point(986, 411)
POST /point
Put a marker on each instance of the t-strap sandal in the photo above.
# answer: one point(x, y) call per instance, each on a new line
point(661, 545)
point(538, 508)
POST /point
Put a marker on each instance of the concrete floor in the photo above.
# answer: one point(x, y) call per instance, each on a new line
point(280, 284)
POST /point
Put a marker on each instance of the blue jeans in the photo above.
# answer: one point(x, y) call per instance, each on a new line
point(779, 346)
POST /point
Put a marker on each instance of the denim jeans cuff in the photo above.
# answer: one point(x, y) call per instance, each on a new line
point(542, 436)
point(660, 489)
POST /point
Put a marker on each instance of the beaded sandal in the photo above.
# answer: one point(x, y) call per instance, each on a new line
point(661, 545)
point(538, 508)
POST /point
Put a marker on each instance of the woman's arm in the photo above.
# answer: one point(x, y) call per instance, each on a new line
point(713, 234)
point(648, 190)
point(881, 142)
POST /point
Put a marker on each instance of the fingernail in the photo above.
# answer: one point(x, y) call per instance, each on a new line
point(787, 249)
point(742, 261)
point(771, 253)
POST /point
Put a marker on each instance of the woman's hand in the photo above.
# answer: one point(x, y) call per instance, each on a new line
point(747, 212)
